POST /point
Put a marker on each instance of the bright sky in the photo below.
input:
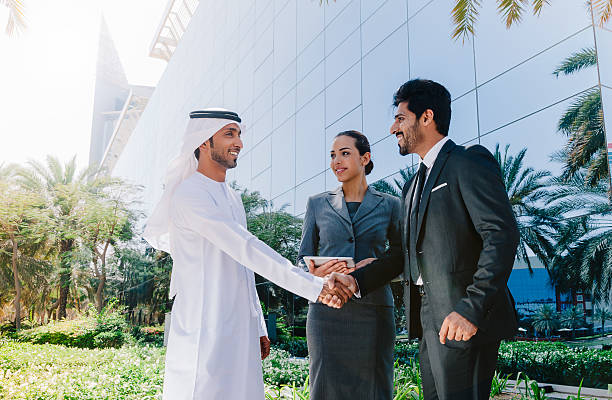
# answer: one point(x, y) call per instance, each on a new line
point(47, 75)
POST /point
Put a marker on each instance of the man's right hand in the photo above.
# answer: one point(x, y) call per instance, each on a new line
point(328, 268)
point(337, 290)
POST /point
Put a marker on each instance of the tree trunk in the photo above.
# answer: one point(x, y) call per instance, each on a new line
point(65, 275)
point(100, 293)
point(17, 284)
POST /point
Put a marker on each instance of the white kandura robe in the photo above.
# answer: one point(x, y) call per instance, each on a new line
point(213, 347)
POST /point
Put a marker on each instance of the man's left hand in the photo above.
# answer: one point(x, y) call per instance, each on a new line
point(264, 345)
point(456, 327)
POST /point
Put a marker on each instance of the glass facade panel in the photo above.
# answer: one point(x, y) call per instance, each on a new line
point(283, 109)
point(342, 58)
point(283, 158)
point(435, 55)
point(342, 25)
point(307, 189)
point(284, 38)
point(604, 50)
point(310, 140)
point(311, 85)
point(312, 56)
point(532, 86)
point(285, 201)
point(382, 79)
point(385, 20)
point(284, 82)
point(343, 95)
point(309, 23)
point(499, 49)
point(464, 119)
point(351, 121)
point(538, 133)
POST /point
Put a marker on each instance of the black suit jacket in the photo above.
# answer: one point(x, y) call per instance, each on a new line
point(466, 245)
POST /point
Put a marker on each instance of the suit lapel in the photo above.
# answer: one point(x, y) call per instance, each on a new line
point(371, 199)
point(432, 178)
point(336, 200)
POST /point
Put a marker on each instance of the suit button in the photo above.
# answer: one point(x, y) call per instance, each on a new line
point(351, 240)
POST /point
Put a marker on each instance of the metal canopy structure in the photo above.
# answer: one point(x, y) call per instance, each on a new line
point(173, 24)
point(126, 119)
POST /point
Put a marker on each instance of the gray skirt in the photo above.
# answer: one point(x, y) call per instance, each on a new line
point(351, 352)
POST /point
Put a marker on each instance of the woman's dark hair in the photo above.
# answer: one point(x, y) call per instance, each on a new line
point(362, 144)
point(423, 94)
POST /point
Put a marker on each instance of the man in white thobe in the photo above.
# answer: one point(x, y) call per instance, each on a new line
point(217, 336)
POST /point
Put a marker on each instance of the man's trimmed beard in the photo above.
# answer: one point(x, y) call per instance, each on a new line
point(409, 140)
point(218, 156)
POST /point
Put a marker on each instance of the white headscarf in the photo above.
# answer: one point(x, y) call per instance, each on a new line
point(199, 130)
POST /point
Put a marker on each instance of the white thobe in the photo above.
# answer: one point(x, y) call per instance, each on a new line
point(213, 346)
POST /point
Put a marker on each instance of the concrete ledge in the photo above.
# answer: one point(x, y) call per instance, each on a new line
point(554, 391)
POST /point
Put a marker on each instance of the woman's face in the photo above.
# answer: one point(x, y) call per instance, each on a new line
point(346, 163)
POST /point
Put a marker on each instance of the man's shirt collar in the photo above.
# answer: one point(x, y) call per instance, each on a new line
point(432, 154)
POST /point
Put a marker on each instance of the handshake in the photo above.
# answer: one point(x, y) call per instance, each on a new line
point(338, 287)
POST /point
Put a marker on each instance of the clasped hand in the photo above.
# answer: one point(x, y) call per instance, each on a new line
point(338, 287)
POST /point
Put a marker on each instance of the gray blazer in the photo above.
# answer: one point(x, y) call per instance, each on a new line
point(329, 231)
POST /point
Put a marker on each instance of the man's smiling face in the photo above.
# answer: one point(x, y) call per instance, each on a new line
point(406, 129)
point(225, 145)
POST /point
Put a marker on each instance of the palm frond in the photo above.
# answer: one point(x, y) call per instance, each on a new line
point(602, 10)
point(587, 57)
point(538, 5)
point(464, 16)
point(511, 10)
point(16, 20)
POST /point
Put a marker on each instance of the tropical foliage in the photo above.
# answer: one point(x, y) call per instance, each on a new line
point(16, 18)
point(545, 320)
point(601, 315)
point(465, 13)
point(526, 189)
point(583, 125)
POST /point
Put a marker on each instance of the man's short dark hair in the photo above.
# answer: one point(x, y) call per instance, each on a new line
point(423, 94)
point(196, 152)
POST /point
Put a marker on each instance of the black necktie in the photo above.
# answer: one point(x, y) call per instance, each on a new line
point(414, 220)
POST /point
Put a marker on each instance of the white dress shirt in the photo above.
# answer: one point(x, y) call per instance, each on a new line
point(429, 160)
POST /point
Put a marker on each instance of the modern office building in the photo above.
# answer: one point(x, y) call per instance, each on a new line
point(300, 71)
point(117, 105)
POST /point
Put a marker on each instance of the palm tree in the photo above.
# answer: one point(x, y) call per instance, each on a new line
point(602, 315)
point(63, 189)
point(545, 320)
point(395, 188)
point(583, 124)
point(16, 20)
point(526, 189)
point(465, 13)
point(572, 318)
point(583, 252)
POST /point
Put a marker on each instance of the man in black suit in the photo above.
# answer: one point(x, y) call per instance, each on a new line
point(459, 238)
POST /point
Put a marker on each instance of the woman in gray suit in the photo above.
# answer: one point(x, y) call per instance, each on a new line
point(351, 349)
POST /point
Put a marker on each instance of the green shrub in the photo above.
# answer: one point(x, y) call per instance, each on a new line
point(103, 330)
point(149, 334)
point(556, 363)
point(296, 346)
point(405, 352)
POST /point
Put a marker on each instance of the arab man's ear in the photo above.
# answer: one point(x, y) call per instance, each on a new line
point(427, 117)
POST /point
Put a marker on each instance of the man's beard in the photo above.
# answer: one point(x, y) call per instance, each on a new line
point(409, 140)
point(225, 162)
